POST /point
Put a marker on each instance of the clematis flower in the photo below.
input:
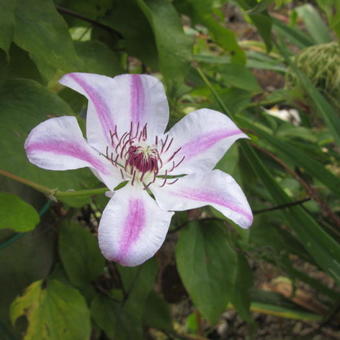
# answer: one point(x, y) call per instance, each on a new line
point(166, 171)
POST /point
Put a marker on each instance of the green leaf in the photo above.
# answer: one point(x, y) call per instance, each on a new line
point(98, 58)
point(80, 254)
point(90, 8)
point(23, 105)
point(114, 320)
point(314, 24)
point(239, 76)
point(7, 23)
point(174, 47)
point(54, 312)
point(20, 265)
point(157, 314)
point(16, 214)
point(242, 282)
point(292, 34)
point(42, 32)
point(127, 18)
point(206, 264)
point(138, 282)
point(264, 23)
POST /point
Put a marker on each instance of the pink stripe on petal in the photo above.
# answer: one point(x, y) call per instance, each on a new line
point(68, 149)
point(213, 198)
point(137, 98)
point(204, 142)
point(134, 224)
point(99, 103)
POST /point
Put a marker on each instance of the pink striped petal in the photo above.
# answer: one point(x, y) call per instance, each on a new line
point(58, 144)
point(100, 117)
point(203, 137)
point(120, 101)
point(214, 188)
point(132, 227)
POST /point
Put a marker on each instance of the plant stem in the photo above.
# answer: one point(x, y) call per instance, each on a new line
point(282, 206)
point(91, 21)
point(36, 186)
point(79, 193)
point(53, 192)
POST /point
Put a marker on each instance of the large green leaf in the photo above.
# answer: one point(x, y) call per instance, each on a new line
point(7, 23)
point(42, 32)
point(239, 76)
point(98, 58)
point(292, 34)
point(80, 254)
point(242, 282)
point(54, 312)
point(114, 320)
point(138, 39)
point(207, 265)
point(90, 8)
point(16, 214)
point(314, 24)
point(20, 265)
point(23, 105)
point(138, 282)
point(174, 47)
point(157, 314)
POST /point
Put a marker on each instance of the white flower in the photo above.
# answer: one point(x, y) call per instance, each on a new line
point(126, 119)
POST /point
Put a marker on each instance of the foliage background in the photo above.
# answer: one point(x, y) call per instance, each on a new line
point(232, 56)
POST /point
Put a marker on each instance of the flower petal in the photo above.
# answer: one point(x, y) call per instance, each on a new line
point(214, 188)
point(132, 227)
point(203, 137)
point(58, 144)
point(118, 101)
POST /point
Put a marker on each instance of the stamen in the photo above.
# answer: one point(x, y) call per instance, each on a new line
point(133, 177)
point(165, 179)
point(174, 154)
point(137, 130)
point(123, 148)
point(168, 147)
point(145, 131)
point(180, 162)
point(163, 144)
point(174, 181)
point(120, 141)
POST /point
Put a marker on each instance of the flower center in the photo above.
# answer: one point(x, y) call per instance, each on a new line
point(141, 161)
point(142, 158)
